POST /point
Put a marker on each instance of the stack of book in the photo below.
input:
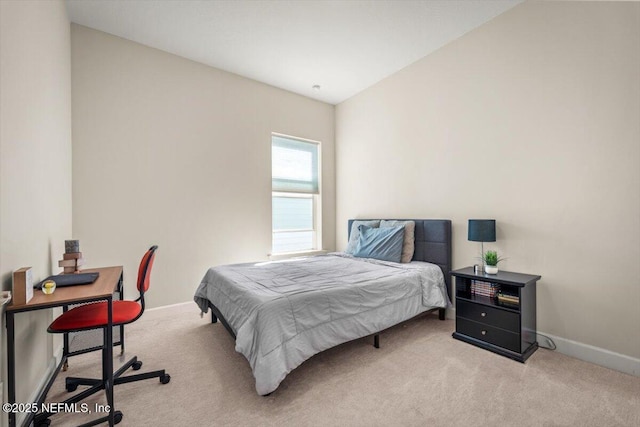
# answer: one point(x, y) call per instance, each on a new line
point(72, 258)
point(485, 289)
point(508, 300)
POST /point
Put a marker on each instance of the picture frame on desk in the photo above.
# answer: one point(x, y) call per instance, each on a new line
point(22, 285)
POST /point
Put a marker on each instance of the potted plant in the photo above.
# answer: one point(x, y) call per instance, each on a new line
point(491, 260)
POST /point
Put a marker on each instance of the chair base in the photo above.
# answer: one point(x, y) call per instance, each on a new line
point(72, 383)
point(96, 385)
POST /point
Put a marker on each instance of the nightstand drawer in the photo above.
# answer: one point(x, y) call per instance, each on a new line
point(489, 334)
point(488, 315)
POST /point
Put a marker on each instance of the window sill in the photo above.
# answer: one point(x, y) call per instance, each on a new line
point(287, 255)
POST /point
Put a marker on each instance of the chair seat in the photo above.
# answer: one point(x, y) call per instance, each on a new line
point(93, 316)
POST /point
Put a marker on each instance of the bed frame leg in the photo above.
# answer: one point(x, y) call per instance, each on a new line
point(441, 313)
point(376, 341)
point(214, 319)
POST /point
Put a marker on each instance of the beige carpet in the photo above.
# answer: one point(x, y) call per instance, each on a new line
point(419, 377)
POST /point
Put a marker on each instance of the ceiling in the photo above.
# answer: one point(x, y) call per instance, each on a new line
point(342, 46)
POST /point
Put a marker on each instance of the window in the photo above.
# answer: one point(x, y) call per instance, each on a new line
point(295, 197)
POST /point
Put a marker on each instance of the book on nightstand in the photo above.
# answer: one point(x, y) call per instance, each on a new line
point(508, 300)
point(487, 289)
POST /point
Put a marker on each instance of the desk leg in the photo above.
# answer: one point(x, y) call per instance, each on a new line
point(65, 344)
point(121, 294)
point(11, 366)
point(108, 366)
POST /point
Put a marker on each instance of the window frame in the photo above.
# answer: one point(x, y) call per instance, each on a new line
point(316, 198)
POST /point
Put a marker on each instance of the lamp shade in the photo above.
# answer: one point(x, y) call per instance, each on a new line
point(482, 230)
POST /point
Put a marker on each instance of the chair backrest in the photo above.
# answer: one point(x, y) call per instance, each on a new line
point(144, 271)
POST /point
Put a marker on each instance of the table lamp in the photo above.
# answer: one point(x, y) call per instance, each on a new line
point(482, 230)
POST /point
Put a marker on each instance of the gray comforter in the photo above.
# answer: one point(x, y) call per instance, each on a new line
point(285, 312)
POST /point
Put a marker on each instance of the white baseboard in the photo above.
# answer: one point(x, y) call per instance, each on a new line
point(450, 313)
point(596, 355)
point(57, 353)
point(53, 364)
point(167, 306)
point(588, 353)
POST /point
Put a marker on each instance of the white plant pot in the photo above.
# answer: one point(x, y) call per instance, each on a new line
point(491, 269)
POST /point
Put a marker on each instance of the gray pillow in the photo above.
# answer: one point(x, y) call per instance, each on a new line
point(355, 233)
point(408, 246)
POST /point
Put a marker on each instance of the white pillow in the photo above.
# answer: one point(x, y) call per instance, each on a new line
point(355, 233)
point(408, 247)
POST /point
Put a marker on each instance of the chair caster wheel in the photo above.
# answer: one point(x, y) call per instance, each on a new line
point(137, 365)
point(165, 378)
point(117, 417)
point(71, 387)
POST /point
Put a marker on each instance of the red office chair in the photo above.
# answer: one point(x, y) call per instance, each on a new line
point(94, 316)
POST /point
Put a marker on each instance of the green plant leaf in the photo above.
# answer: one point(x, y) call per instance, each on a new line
point(491, 258)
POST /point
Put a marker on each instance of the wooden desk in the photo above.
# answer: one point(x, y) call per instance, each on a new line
point(102, 289)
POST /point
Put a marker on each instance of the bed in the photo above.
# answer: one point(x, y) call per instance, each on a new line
point(281, 313)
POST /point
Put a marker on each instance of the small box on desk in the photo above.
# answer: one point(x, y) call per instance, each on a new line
point(22, 285)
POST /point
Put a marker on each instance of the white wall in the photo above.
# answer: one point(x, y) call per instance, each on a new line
point(35, 164)
point(172, 152)
point(532, 119)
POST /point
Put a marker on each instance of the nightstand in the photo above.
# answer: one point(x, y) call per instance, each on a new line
point(497, 312)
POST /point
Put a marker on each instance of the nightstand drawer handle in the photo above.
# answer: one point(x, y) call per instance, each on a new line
point(483, 314)
point(484, 332)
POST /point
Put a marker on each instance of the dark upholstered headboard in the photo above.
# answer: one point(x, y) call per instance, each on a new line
point(433, 244)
